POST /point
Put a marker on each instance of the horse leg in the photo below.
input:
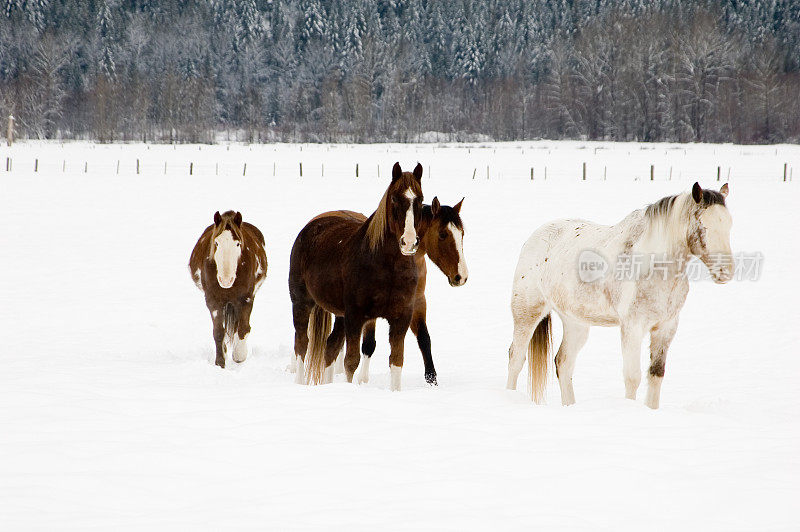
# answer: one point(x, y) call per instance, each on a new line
point(526, 319)
point(218, 321)
point(660, 338)
point(420, 330)
point(242, 331)
point(631, 358)
point(300, 315)
point(367, 349)
point(397, 336)
point(575, 335)
point(333, 345)
point(352, 328)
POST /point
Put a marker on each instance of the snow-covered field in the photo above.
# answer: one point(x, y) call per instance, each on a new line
point(113, 415)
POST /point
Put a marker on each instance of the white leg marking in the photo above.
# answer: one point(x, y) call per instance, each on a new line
point(300, 376)
point(363, 375)
point(240, 348)
point(395, 372)
point(653, 391)
point(340, 363)
point(327, 375)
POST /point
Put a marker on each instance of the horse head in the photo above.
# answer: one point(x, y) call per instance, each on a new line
point(226, 246)
point(403, 206)
point(709, 233)
point(444, 242)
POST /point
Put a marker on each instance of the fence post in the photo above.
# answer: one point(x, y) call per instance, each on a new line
point(10, 131)
point(86, 167)
point(244, 171)
point(718, 172)
point(584, 171)
point(8, 165)
point(531, 173)
point(487, 171)
point(117, 166)
point(301, 168)
point(356, 169)
point(652, 167)
point(191, 168)
point(784, 171)
point(137, 166)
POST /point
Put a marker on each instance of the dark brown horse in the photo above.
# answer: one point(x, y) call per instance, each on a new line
point(441, 238)
point(228, 264)
point(358, 270)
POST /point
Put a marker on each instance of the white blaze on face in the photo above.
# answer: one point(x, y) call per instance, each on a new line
point(458, 237)
point(717, 221)
point(226, 257)
point(408, 242)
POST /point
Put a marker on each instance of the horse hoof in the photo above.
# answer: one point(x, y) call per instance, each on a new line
point(221, 364)
point(430, 378)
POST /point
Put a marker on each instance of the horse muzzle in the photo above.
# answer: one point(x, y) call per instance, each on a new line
point(226, 283)
point(457, 280)
point(407, 249)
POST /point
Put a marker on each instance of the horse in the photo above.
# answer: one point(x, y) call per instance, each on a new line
point(564, 267)
point(442, 239)
point(229, 264)
point(358, 271)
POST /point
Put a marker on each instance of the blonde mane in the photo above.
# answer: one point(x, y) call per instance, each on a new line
point(668, 221)
point(376, 230)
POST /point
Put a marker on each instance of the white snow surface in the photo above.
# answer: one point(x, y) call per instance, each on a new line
point(113, 415)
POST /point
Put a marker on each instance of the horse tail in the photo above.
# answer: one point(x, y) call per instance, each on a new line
point(230, 323)
point(538, 354)
point(319, 327)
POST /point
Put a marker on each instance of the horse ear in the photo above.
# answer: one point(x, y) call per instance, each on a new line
point(217, 218)
point(724, 190)
point(697, 193)
point(238, 219)
point(397, 172)
point(435, 205)
point(457, 207)
point(418, 172)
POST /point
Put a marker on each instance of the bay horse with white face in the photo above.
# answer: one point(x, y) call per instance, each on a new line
point(229, 264)
point(359, 270)
point(552, 275)
point(442, 239)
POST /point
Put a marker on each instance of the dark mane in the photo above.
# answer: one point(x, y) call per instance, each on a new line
point(661, 208)
point(449, 215)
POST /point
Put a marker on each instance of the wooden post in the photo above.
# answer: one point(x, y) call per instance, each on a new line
point(117, 166)
point(36, 165)
point(322, 171)
point(604, 173)
point(651, 171)
point(487, 171)
point(584, 171)
point(165, 167)
point(670, 173)
point(301, 169)
point(531, 173)
point(137, 166)
point(10, 131)
point(273, 168)
point(244, 171)
point(718, 172)
point(545, 173)
point(379, 172)
point(784, 171)
point(356, 169)
point(474, 171)
point(86, 167)
point(191, 168)
point(8, 166)
point(63, 166)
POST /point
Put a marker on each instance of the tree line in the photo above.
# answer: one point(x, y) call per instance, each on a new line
point(398, 70)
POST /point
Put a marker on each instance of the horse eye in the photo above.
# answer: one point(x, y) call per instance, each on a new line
point(442, 235)
point(238, 244)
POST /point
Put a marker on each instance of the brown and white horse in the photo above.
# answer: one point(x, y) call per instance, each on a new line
point(359, 270)
point(228, 264)
point(442, 239)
